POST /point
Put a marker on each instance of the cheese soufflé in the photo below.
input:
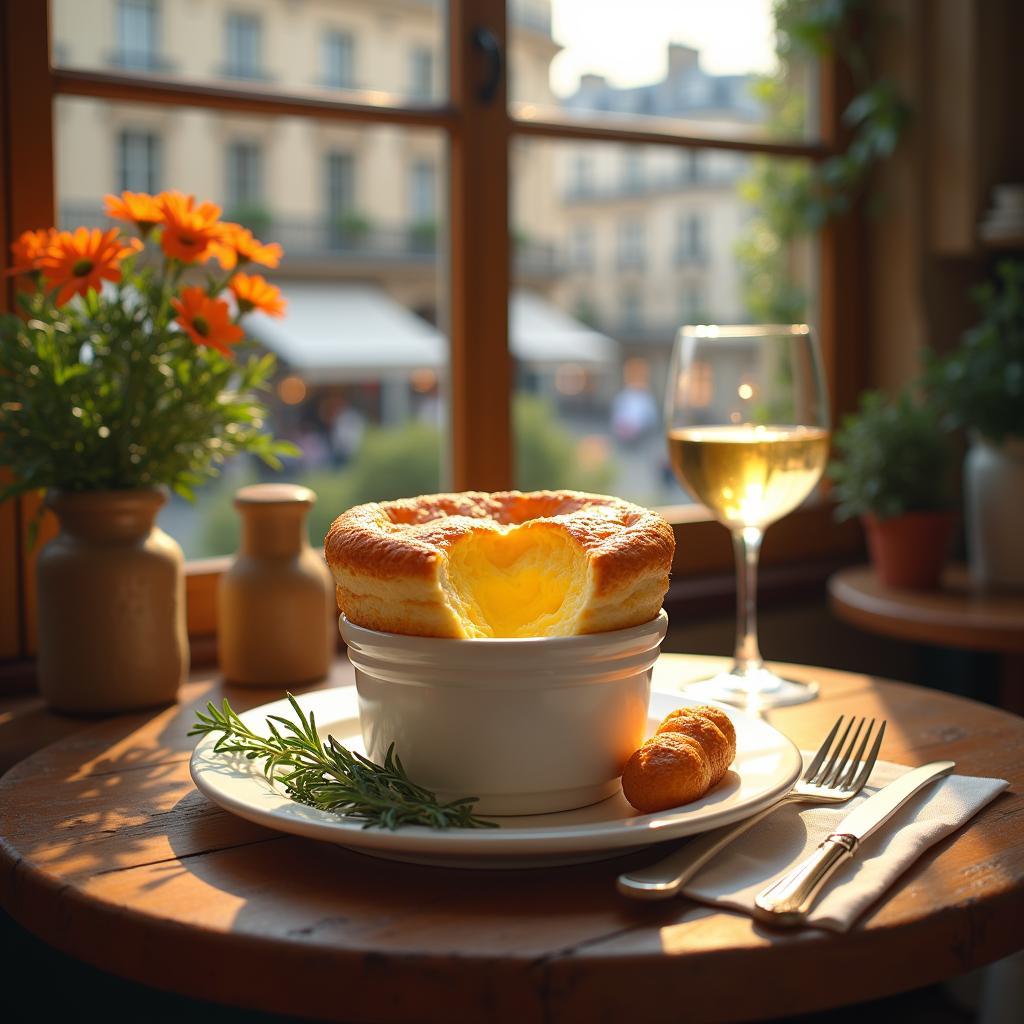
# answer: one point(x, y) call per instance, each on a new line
point(503, 564)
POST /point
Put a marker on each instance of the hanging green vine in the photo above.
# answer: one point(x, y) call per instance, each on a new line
point(792, 199)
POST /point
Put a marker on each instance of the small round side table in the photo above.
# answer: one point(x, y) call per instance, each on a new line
point(959, 614)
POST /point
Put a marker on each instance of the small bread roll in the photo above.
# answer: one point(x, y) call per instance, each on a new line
point(716, 715)
point(690, 753)
point(668, 770)
point(708, 735)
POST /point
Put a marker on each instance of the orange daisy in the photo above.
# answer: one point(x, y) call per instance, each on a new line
point(255, 292)
point(28, 248)
point(139, 208)
point(189, 230)
point(207, 321)
point(75, 262)
point(238, 245)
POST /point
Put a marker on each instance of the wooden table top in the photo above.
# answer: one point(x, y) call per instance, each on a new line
point(959, 614)
point(109, 853)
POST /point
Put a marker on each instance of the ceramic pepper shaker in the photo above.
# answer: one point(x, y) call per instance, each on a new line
point(276, 606)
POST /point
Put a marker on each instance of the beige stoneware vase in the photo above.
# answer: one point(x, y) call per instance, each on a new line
point(276, 606)
point(112, 630)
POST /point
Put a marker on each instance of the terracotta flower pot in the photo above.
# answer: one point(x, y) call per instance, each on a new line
point(909, 551)
point(112, 634)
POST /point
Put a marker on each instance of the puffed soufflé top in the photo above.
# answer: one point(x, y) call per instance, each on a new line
point(509, 563)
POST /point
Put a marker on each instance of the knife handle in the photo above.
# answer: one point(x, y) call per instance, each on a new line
point(787, 901)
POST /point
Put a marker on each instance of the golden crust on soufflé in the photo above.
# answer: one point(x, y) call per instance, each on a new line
point(509, 563)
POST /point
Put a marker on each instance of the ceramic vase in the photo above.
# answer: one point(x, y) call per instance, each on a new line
point(993, 503)
point(909, 551)
point(276, 605)
point(112, 629)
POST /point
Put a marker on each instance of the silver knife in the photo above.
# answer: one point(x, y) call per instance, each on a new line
point(787, 901)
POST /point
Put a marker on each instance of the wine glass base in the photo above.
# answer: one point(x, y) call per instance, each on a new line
point(752, 691)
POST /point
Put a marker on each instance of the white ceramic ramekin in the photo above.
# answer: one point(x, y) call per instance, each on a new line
point(526, 726)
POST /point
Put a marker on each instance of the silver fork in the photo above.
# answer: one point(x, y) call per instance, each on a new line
point(830, 778)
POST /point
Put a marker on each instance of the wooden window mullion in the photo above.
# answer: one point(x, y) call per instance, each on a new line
point(481, 366)
point(26, 116)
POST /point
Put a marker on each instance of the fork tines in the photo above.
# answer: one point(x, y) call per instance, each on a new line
point(832, 766)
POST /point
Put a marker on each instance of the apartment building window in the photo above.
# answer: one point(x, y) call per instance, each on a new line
point(137, 34)
point(346, 227)
point(631, 243)
point(582, 250)
point(244, 57)
point(341, 184)
point(690, 238)
point(245, 175)
point(581, 181)
point(138, 161)
point(339, 53)
point(633, 169)
point(693, 306)
point(423, 192)
point(422, 73)
point(690, 166)
point(632, 311)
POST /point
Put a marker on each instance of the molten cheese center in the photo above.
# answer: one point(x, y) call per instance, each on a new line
point(517, 582)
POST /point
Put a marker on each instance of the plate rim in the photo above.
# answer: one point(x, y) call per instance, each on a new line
point(621, 833)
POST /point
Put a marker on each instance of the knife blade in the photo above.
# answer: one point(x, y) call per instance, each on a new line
point(788, 900)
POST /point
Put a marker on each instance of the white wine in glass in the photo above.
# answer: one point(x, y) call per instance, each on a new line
point(747, 430)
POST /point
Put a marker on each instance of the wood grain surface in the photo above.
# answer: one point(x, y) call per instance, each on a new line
point(958, 614)
point(109, 853)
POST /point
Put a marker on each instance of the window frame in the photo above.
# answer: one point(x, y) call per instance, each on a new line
point(480, 134)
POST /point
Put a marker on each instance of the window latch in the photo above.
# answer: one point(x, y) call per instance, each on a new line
point(487, 43)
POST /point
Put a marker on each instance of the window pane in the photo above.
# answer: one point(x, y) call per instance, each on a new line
point(604, 277)
point(140, 161)
point(362, 357)
point(695, 66)
point(386, 52)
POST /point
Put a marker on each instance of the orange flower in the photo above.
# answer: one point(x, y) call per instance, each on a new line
point(28, 249)
point(139, 208)
point(207, 321)
point(237, 245)
point(255, 292)
point(189, 230)
point(78, 261)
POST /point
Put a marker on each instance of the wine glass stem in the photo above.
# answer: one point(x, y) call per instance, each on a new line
point(747, 545)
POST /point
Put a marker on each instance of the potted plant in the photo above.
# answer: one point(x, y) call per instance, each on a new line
point(119, 379)
point(893, 471)
point(980, 387)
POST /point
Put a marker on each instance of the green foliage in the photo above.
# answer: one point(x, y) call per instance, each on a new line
point(894, 458)
point(423, 235)
point(103, 393)
point(792, 198)
point(546, 453)
point(980, 386)
point(254, 216)
point(400, 461)
point(352, 225)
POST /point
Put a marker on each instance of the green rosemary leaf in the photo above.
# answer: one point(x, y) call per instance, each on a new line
point(330, 776)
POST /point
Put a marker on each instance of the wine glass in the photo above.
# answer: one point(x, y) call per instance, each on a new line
point(747, 424)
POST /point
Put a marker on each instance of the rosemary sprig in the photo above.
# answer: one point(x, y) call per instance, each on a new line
point(332, 777)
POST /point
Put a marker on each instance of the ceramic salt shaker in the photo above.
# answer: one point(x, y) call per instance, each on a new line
point(276, 606)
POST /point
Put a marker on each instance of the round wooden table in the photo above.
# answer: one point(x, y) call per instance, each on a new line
point(109, 853)
point(958, 614)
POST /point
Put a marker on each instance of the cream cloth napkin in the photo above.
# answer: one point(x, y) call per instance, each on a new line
point(774, 845)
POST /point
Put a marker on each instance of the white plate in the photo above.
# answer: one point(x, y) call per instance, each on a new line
point(767, 764)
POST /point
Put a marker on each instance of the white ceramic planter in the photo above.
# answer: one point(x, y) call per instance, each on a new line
point(525, 726)
point(994, 508)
